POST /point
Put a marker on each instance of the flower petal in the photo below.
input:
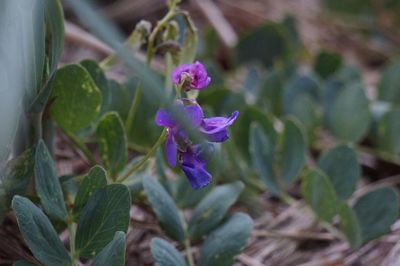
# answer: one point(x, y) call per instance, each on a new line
point(165, 119)
point(171, 150)
point(194, 168)
point(215, 128)
point(176, 74)
point(195, 114)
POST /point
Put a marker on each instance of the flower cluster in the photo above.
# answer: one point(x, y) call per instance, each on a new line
point(192, 157)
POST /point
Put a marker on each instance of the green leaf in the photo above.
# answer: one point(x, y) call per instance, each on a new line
point(270, 91)
point(327, 63)
point(54, 45)
point(266, 44)
point(377, 211)
point(262, 151)
point(212, 209)
point(226, 241)
point(18, 173)
point(105, 213)
point(319, 194)
point(95, 180)
point(164, 207)
point(39, 234)
point(113, 254)
point(47, 184)
point(77, 100)
point(164, 254)
point(189, 45)
point(388, 128)
point(111, 137)
point(241, 129)
point(292, 151)
point(351, 116)
point(341, 166)
point(23, 263)
point(349, 225)
point(97, 74)
point(389, 84)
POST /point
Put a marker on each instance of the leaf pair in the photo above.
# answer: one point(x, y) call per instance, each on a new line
point(277, 166)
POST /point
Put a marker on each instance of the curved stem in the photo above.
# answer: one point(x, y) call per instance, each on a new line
point(189, 253)
point(80, 145)
point(150, 153)
point(133, 109)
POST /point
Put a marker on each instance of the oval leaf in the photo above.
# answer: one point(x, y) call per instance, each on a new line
point(226, 241)
point(77, 99)
point(376, 212)
point(212, 209)
point(349, 225)
point(261, 151)
point(388, 128)
point(113, 254)
point(292, 151)
point(350, 115)
point(106, 212)
point(164, 207)
point(47, 184)
point(39, 234)
point(111, 137)
point(93, 181)
point(164, 254)
point(341, 166)
point(389, 84)
point(319, 194)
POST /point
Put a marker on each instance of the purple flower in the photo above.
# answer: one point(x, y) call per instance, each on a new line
point(193, 158)
point(194, 75)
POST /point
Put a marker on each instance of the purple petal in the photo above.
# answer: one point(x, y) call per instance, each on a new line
point(200, 78)
point(202, 152)
point(163, 118)
point(215, 128)
point(171, 150)
point(195, 114)
point(194, 169)
point(176, 74)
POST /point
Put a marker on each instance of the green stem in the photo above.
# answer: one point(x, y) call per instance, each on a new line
point(157, 28)
point(133, 109)
point(80, 145)
point(150, 153)
point(72, 234)
point(189, 253)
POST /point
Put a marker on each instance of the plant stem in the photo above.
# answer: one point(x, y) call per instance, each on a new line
point(189, 253)
point(72, 234)
point(150, 153)
point(80, 145)
point(133, 109)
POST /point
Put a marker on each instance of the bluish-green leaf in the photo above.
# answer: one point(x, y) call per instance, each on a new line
point(165, 208)
point(77, 100)
point(95, 180)
point(389, 84)
point(39, 234)
point(350, 115)
point(111, 137)
point(267, 44)
point(105, 213)
point(226, 241)
point(23, 263)
point(164, 254)
point(48, 186)
point(18, 173)
point(212, 209)
point(292, 151)
point(113, 254)
point(319, 194)
point(341, 166)
point(377, 211)
point(388, 132)
point(350, 225)
point(262, 151)
point(101, 82)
